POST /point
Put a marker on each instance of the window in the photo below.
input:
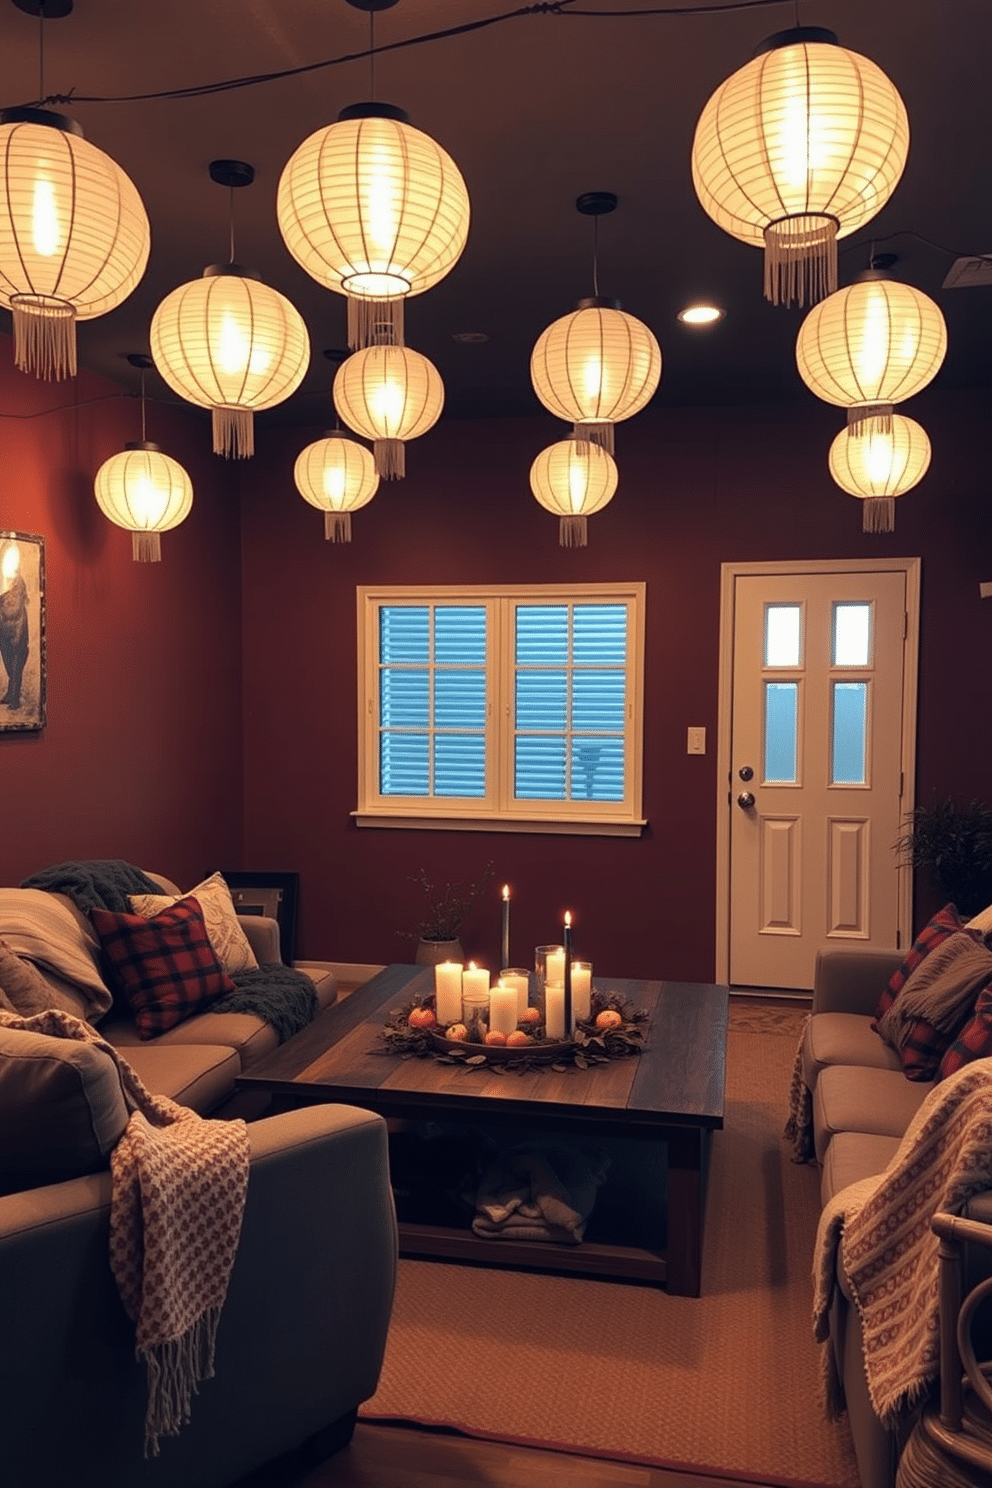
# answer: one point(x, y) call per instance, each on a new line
point(507, 708)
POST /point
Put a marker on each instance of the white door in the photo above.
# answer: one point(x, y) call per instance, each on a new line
point(822, 680)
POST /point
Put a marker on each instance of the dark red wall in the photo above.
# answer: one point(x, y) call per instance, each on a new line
point(141, 756)
point(697, 488)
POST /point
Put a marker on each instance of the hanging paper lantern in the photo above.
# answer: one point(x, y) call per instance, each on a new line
point(146, 492)
point(878, 466)
point(374, 209)
point(74, 236)
point(388, 394)
point(801, 146)
point(336, 475)
point(574, 478)
point(871, 345)
point(230, 343)
point(595, 367)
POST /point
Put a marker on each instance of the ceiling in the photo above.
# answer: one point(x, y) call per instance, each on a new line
point(536, 109)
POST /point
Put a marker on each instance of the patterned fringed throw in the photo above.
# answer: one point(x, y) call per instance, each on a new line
point(178, 1195)
point(799, 1127)
point(880, 1230)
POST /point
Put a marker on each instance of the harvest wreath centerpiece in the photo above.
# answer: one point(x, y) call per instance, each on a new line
point(613, 1030)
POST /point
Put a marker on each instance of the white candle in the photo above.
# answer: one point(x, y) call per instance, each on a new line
point(581, 988)
point(520, 981)
point(554, 1011)
point(448, 992)
point(475, 984)
point(554, 967)
point(502, 1008)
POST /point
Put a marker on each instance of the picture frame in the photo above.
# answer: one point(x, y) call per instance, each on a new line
point(262, 892)
point(23, 664)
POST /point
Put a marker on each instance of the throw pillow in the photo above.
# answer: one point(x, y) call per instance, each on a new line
point(945, 922)
point(24, 990)
point(937, 999)
point(223, 926)
point(165, 966)
point(981, 922)
point(975, 1039)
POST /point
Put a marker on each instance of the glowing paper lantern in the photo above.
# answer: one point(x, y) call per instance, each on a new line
point(871, 345)
point(878, 466)
point(146, 492)
point(388, 394)
point(595, 367)
point(574, 478)
point(801, 146)
point(230, 343)
point(374, 209)
point(336, 475)
point(74, 236)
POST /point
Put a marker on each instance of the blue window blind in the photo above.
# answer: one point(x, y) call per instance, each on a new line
point(432, 700)
point(570, 702)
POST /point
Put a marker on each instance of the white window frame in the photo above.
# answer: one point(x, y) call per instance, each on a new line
point(498, 811)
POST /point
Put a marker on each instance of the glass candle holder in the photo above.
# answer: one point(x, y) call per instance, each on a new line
point(581, 990)
point(518, 977)
point(544, 953)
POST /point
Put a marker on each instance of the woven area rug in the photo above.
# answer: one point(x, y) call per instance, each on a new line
point(724, 1384)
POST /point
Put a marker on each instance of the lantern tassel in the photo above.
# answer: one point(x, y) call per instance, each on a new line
point(572, 532)
point(599, 431)
point(44, 337)
point(337, 526)
point(870, 418)
point(390, 458)
point(374, 322)
point(879, 514)
point(146, 547)
point(800, 259)
point(234, 432)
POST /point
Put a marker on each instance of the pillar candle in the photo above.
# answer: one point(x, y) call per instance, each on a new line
point(520, 981)
point(554, 1010)
point(475, 980)
point(448, 992)
point(502, 1008)
point(581, 989)
point(554, 968)
point(504, 929)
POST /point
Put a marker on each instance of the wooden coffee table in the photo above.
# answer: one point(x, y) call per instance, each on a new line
point(672, 1093)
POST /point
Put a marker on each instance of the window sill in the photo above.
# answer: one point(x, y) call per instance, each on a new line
point(574, 826)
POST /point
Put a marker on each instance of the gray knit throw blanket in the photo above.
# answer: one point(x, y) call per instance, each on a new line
point(94, 883)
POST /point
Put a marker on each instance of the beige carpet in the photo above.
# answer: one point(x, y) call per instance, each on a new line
point(726, 1383)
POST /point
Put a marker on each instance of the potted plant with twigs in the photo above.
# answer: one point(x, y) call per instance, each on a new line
point(953, 845)
point(438, 933)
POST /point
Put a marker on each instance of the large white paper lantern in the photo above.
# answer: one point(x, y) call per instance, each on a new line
point(74, 236)
point(595, 367)
point(146, 492)
point(232, 344)
point(338, 476)
point(376, 210)
point(871, 345)
point(574, 478)
point(388, 394)
point(798, 148)
point(878, 465)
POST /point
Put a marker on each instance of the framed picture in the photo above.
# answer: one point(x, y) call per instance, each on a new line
point(271, 894)
point(22, 632)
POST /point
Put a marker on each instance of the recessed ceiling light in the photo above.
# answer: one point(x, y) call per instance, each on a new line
point(470, 338)
point(698, 315)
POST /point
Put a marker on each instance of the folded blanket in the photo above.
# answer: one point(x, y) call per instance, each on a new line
point(48, 931)
point(282, 996)
point(799, 1127)
point(94, 883)
point(881, 1229)
point(178, 1195)
point(535, 1193)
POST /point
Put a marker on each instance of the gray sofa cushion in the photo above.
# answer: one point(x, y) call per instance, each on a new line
point(196, 1075)
point(852, 1156)
point(844, 1038)
point(878, 1102)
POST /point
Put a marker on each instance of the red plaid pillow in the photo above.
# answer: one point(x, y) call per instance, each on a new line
point(975, 1039)
point(165, 966)
point(945, 922)
point(924, 1045)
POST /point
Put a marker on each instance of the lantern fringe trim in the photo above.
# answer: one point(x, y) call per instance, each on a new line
point(44, 337)
point(598, 431)
point(390, 458)
point(800, 259)
point(337, 526)
point(374, 322)
point(870, 418)
point(234, 432)
point(878, 514)
point(573, 532)
point(146, 547)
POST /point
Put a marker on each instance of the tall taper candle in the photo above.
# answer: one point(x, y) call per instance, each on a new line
point(504, 930)
point(568, 974)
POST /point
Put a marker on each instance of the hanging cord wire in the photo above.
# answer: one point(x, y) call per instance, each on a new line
point(41, 49)
point(143, 435)
point(231, 220)
point(372, 56)
point(595, 257)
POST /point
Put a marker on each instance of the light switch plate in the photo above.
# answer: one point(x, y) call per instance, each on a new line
point(695, 741)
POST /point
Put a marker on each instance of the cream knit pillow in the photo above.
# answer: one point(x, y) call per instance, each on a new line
point(219, 915)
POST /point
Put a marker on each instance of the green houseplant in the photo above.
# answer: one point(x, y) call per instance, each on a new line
point(953, 845)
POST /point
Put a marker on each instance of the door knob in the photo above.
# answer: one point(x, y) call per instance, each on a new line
point(745, 772)
point(745, 799)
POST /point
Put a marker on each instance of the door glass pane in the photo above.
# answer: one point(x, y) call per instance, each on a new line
point(782, 635)
point(850, 733)
point(781, 732)
point(852, 633)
